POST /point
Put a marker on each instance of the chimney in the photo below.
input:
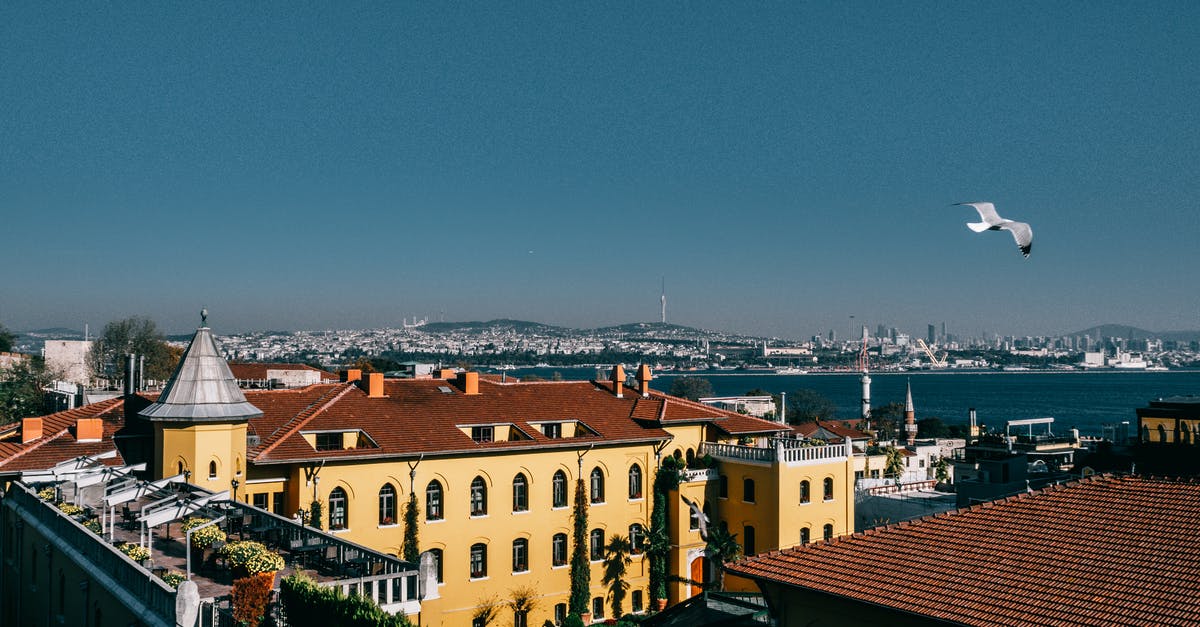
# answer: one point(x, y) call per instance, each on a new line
point(469, 382)
point(130, 370)
point(618, 379)
point(351, 375)
point(372, 384)
point(446, 373)
point(89, 430)
point(643, 379)
point(31, 429)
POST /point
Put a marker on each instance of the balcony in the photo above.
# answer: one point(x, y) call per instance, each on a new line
point(783, 451)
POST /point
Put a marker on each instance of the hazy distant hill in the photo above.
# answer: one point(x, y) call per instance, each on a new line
point(502, 324)
point(652, 328)
point(1134, 333)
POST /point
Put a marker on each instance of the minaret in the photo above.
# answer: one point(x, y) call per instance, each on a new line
point(910, 416)
point(866, 380)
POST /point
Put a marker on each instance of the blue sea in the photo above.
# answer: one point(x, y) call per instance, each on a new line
point(1083, 400)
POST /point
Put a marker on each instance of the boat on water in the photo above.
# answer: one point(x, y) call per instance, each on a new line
point(790, 370)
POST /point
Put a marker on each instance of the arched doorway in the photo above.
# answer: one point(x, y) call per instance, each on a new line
point(699, 570)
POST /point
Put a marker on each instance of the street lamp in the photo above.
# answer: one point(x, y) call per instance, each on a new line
point(302, 515)
point(234, 483)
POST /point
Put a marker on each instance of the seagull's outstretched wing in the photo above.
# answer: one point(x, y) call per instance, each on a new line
point(987, 212)
point(1022, 233)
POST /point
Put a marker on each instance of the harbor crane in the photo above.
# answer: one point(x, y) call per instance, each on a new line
point(933, 359)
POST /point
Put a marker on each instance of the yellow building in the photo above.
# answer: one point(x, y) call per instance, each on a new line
point(494, 467)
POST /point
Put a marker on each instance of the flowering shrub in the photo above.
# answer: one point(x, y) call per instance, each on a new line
point(250, 597)
point(205, 537)
point(47, 494)
point(93, 526)
point(135, 552)
point(173, 578)
point(69, 510)
point(251, 557)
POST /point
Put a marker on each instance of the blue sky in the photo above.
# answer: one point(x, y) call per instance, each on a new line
point(784, 166)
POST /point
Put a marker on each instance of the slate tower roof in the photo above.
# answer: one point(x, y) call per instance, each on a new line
point(202, 389)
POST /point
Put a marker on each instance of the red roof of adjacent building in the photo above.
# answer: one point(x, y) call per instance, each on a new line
point(1122, 551)
point(256, 372)
point(58, 443)
point(835, 428)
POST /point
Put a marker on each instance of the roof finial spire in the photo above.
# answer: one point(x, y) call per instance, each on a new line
point(204, 317)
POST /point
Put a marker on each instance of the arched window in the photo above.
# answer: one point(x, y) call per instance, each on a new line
point(804, 535)
point(520, 555)
point(478, 497)
point(560, 489)
point(558, 550)
point(748, 490)
point(693, 519)
point(637, 538)
point(828, 488)
point(597, 485)
point(180, 468)
point(520, 493)
point(690, 457)
point(1184, 433)
point(828, 532)
point(433, 501)
point(436, 554)
point(478, 560)
point(596, 544)
point(805, 491)
point(337, 509)
point(748, 540)
point(212, 470)
point(387, 505)
point(635, 482)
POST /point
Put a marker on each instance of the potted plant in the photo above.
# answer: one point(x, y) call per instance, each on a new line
point(135, 552)
point(205, 537)
point(248, 557)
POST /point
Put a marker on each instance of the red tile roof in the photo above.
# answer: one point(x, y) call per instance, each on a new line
point(425, 416)
point(254, 372)
point(836, 428)
point(1123, 551)
point(58, 443)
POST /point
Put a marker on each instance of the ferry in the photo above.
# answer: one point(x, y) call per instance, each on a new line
point(790, 370)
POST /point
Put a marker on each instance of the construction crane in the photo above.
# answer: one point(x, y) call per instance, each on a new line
point(933, 359)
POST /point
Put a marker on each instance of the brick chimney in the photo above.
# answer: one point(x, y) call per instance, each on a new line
point(643, 379)
point(469, 382)
point(351, 375)
point(31, 429)
point(89, 430)
point(372, 384)
point(618, 379)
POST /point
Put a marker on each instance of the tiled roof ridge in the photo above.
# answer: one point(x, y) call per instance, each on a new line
point(519, 381)
point(299, 420)
point(667, 398)
point(92, 411)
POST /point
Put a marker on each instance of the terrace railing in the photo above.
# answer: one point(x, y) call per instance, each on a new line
point(782, 450)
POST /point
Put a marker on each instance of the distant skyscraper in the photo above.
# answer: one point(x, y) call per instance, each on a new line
point(931, 334)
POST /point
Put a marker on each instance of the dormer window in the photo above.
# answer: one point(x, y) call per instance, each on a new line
point(552, 430)
point(483, 434)
point(329, 442)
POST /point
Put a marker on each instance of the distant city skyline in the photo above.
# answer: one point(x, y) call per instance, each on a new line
point(782, 167)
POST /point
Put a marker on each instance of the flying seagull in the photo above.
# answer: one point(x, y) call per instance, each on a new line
point(993, 222)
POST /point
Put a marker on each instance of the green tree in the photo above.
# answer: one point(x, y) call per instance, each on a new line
point(887, 420)
point(805, 405)
point(411, 549)
point(931, 427)
point(616, 561)
point(21, 386)
point(666, 479)
point(941, 470)
point(136, 335)
point(7, 339)
point(722, 548)
point(893, 465)
point(691, 388)
point(581, 571)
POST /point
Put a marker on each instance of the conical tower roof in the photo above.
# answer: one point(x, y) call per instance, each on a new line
point(202, 389)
